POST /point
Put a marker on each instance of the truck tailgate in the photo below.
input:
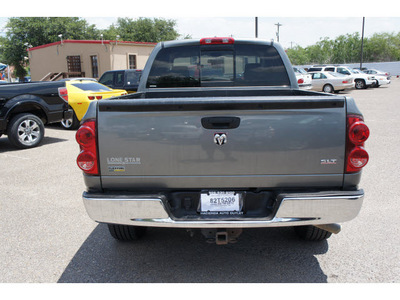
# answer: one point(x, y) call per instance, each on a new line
point(241, 142)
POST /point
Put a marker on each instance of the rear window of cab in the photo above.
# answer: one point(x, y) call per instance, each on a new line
point(238, 65)
point(91, 86)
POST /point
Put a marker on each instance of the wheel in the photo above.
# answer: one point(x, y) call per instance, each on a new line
point(70, 124)
point(360, 84)
point(311, 233)
point(126, 232)
point(25, 131)
point(328, 88)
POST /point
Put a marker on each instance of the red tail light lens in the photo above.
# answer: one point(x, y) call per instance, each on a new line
point(301, 80)
point(217, 41)
point(63, 93)
point(86, 137)
point(357, 133)
point(91, 97)
point(99, 97)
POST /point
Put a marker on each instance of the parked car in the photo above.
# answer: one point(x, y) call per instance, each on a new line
point(376, 72)
point(379, 79)
point(79, 93)
point(3, 82)
point(122, 79)
point(361, 80)
point(304, 79)
point(331, 82)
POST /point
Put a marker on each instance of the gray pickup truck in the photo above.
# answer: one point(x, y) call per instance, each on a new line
point(220, 138)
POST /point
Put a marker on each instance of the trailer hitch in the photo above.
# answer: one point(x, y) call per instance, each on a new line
point(222, 236)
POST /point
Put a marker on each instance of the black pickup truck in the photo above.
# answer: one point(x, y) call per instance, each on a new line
point(26, 107)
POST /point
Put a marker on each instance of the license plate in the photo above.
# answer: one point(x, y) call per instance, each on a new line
point(219, 201)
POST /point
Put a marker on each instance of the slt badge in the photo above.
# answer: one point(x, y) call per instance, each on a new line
point(220, 138)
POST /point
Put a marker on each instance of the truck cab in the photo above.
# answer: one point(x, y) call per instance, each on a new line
point(122, 79)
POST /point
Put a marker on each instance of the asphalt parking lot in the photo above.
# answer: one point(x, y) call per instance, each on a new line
point(46, 235)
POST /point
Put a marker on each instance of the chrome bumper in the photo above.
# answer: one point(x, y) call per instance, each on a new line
point(291, 210)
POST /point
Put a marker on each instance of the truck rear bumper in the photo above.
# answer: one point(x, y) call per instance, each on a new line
point(291, 209)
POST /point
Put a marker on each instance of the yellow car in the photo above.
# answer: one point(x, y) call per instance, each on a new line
point(79, 93)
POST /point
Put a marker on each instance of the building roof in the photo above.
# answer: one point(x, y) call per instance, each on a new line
point(91, 42)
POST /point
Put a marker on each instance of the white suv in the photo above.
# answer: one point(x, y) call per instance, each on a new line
point(362, 81)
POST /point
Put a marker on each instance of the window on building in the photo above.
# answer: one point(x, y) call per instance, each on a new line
point(74, 63)
point(95, 66)
point(132, 61)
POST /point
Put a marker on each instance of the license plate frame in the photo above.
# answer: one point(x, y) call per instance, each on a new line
point(215, 202)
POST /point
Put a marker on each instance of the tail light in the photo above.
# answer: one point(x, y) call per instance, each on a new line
point(95, 97)
point(357, 133)
point(87, 159)
point(63, 93)
point(301, 80)
point(217, 41)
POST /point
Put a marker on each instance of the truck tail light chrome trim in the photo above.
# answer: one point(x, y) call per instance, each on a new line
point(357, 133)
point(217, 41)
point(63, 93)
point(87, 159)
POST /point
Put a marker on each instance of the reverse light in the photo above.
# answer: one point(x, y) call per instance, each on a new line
point(217, 41)
point(87, 159)
point(63, 93)
point(358, 158)
point(357, 133)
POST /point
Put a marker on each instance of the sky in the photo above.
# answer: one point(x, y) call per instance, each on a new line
point(302, 31)
point(303, 22)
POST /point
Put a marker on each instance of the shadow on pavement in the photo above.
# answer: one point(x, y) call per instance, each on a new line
point(6, 146)
point(171, 256)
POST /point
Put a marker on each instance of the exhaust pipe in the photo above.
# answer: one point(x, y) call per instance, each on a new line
point(333, 228)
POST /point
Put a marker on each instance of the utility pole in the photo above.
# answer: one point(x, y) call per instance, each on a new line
point(362, 43)
point(277, 33)
point(256, 27)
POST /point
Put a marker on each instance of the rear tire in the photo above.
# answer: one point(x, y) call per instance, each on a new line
point(126, 232)
point(360, 84)
point(70, 124)
point(328, 88)
point(312, 233)
point(25, 131)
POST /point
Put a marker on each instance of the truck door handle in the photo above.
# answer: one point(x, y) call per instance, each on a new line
point(220, 122)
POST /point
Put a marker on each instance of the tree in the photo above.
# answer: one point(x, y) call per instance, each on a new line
point(346, 49)
point(142, 30)
point(35, 31)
